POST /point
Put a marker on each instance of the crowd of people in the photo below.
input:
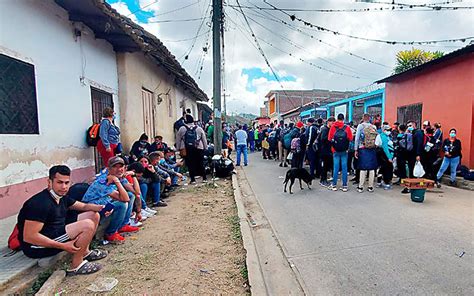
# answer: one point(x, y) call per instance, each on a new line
point(131, 186)
point(373, 151)
point(125, 193)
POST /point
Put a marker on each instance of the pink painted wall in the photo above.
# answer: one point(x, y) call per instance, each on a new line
point(447, 93)
point(12, 197)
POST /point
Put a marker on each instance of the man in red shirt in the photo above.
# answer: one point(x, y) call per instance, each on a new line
point(340, 135)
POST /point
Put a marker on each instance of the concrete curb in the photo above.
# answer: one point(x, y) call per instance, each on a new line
point(50, 286)
point(255, 275)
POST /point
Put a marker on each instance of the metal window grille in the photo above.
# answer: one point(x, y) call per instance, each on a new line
point(100, 100)
point(410, 112)
point(18, 106)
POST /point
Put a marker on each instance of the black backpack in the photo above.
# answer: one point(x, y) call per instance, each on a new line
point(190, 137)
point(340, 141)
point(92, 135)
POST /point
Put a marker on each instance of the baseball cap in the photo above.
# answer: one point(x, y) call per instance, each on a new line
point(116, 160)
point(299, 124)
point(426, 122)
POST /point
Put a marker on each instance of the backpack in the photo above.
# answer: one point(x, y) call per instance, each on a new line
point(406, 143)
point(92, 134)
point(13, 241)
point(178, 124)
point(370, 133)
point(296, 145)
point(340, 140)
point(289, 137)
point(190, 137)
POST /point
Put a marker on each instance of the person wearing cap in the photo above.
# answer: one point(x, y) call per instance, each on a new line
point(193, 153)
point(158, 145)
point(426, 124)
point(210, 132)
point(298, 156)
point(111, 187)
point(385, 143)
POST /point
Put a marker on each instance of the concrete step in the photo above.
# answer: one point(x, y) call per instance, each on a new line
point(13, 266)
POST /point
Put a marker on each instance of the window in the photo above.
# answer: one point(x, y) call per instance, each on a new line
point(410, 112)
point(18, 108)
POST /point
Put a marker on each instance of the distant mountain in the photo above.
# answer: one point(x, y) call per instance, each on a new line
point(248, 116)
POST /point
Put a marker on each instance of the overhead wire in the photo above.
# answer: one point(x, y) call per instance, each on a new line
point(293, 17)
point(304, 60)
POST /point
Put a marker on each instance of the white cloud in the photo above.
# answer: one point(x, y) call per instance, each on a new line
point(240, 54)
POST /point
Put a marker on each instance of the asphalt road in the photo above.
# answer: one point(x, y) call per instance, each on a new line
point(377, 243)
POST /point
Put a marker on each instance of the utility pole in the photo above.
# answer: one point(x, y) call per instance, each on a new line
point(216, 53)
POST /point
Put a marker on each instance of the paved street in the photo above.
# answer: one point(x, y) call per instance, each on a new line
point(370, 243)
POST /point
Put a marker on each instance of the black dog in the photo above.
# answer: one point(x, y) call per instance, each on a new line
point(301, 174)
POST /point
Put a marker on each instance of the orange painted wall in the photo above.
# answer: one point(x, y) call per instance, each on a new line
point(447, 93)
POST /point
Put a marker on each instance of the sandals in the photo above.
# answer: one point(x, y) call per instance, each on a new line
point(95, 255)
point(84, 268)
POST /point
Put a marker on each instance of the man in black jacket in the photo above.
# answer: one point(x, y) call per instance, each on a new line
point(325, 152)
point(311, 135)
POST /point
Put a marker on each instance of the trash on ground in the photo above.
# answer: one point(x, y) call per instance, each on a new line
point(281, 177)
point(103, 285)
point(204, 270)
point(461, 254)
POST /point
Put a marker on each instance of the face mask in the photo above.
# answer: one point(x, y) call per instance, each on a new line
point(410, 128)
point(114, 117)
point(452, 135)
point(56, 196)
point(387, 133)
point(162, 161)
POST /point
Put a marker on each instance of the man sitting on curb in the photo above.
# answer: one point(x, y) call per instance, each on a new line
point(42, 225)
point(111, 188)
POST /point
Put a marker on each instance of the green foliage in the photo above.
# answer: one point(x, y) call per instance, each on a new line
point(407, 59)
point(42, 278)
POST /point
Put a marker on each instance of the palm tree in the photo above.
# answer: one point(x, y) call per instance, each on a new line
point(407, 59)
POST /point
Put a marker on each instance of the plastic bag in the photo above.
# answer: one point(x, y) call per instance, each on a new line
point(418, 171)
point(290, 156)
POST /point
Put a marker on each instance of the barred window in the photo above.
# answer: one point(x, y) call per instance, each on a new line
point(18, 108)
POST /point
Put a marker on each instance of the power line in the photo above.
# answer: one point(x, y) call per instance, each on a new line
point(186, 39)
point(179, 8)
point(275, 19)
point(261, 50)
point(398, 7)
point(303, 60)
point(392, 42)
point(178, 21)
point(141, 8)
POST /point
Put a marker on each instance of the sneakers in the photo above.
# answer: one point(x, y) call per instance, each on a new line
point(370, 189)
point(324, 183)
point(115, 238)
point(453, 183)
point(146, 214)
point(387, 186)
point(437, 184)
point(134, 223)
point(128, 228)
point(160, 204)
point(332, 187)
point(360, 189)
point(344, 189)
point(150, 210)
point(405, 191)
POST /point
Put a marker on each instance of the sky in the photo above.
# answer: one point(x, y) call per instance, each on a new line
point(301, 57)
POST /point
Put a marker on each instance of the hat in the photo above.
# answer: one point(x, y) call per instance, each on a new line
point(299, 124)
point(386, 127)
point(426, 122)
point(188, 119)
point(116, 160)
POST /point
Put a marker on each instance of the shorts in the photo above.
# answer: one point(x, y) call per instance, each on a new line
point(33, 251)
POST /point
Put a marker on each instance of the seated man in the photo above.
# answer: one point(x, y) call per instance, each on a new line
point(42, 225)
point(170, 158)
point(158, 145)
point(134, 176)
point(111, 187)
point(151, 181)
point(158, 159)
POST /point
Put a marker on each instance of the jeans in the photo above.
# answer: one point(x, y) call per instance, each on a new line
point(340, 162)
point(155, 187)
point(242, 149)
point(452, 163)
point(252, 146)
point(313, 162)
point(121, 214)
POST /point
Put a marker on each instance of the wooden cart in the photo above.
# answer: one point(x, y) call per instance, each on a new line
point(417, 187)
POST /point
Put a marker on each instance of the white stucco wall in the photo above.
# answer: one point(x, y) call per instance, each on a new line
point(40, 33)
point(182, 99)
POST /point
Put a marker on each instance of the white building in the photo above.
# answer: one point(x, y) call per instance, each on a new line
point(59, 67)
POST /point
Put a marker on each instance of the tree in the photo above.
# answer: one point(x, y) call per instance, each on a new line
point(407, 59)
